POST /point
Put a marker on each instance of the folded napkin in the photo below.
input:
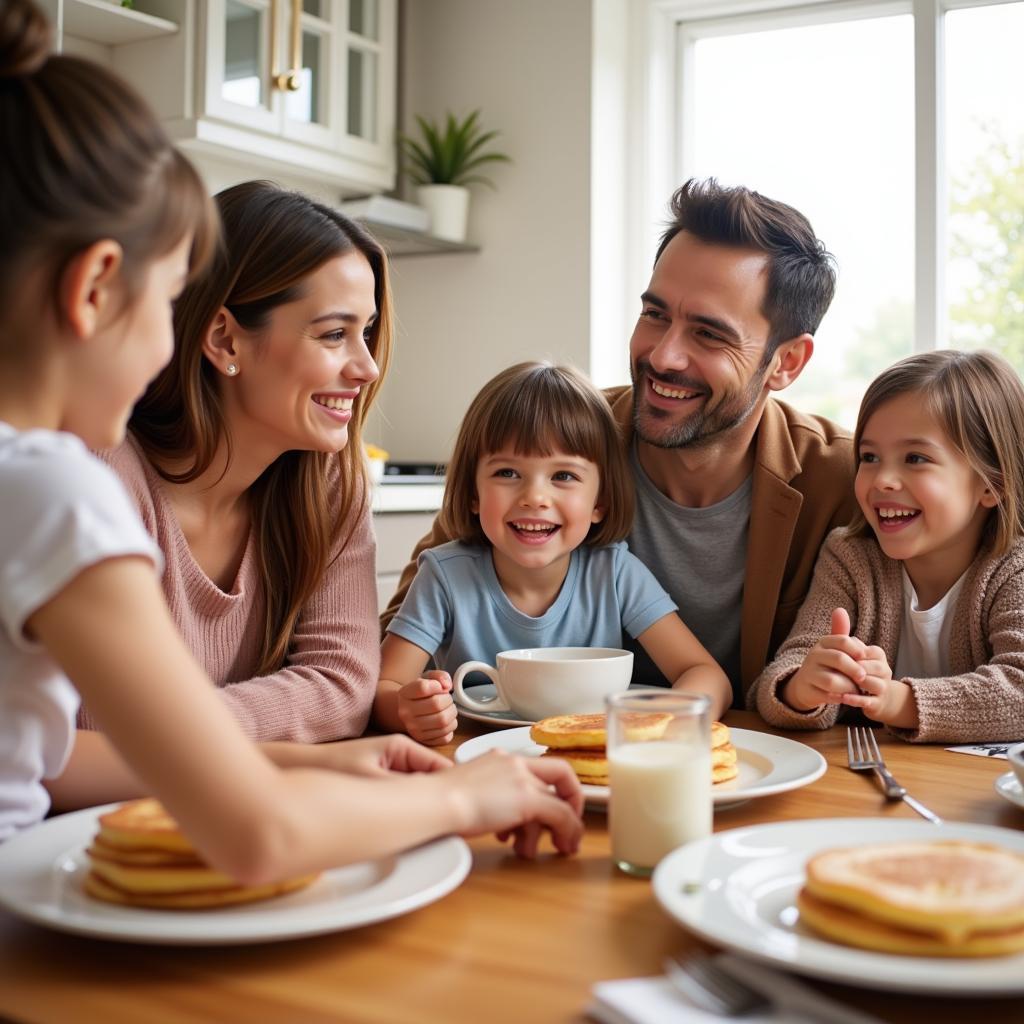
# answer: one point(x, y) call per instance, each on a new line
point(657, 1001)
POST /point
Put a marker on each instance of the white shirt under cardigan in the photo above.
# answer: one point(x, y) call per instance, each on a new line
point(923, 651)
point(61, 511)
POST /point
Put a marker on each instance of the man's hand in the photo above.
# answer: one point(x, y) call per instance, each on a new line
point(832, 670)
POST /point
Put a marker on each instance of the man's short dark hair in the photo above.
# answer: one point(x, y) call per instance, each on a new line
point(801, 271)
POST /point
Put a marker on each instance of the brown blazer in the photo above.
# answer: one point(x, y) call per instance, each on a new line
point(802, 489)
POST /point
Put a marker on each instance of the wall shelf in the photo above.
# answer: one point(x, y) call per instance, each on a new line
point(101, 21)
point(403, 242)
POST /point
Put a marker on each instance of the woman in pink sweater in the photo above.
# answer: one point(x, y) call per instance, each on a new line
point(245, 460)
point(915, 614)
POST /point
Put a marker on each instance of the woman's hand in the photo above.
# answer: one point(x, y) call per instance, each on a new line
point(520, 797)
point(426, 709)
point(370, 756)
point(832, 670)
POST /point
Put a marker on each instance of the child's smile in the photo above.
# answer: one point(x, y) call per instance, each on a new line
point(919, 493)
point(536, 509)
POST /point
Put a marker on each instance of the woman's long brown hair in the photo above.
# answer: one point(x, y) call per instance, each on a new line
point(273, 240)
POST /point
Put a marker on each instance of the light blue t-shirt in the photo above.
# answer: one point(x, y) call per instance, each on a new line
point(456, 610)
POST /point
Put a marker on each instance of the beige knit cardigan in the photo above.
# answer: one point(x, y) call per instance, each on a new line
point(983, 699)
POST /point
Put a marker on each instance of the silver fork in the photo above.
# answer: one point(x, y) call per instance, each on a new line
point(730, 986)
point(862, 753)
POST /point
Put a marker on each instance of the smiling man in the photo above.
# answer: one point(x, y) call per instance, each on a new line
point(736, 491)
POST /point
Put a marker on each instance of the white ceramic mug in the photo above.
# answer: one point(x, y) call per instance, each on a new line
point(538, 682)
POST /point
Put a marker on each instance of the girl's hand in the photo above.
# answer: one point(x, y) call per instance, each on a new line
point(520, 797)
point(426, 709)
point(880, 698)
point(831, 671)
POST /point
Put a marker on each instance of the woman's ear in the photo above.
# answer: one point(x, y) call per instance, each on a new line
point(220, 342)
point(989, 498)
point(89, 290)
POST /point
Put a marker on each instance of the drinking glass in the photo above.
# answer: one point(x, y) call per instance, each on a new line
point(659, 774)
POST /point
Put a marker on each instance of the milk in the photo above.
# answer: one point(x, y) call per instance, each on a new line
point(660, 799)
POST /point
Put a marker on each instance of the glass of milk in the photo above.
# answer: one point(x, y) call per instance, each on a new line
point(659, 773)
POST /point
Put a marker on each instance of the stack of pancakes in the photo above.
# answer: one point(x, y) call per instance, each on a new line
point(580, 740)
point(943, 898)
point(139, 858)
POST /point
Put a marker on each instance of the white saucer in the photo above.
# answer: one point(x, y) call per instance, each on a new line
point(1009, 788)
point(501, 719)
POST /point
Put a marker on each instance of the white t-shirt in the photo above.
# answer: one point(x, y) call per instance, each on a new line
point(923, 652)
point(61, 510)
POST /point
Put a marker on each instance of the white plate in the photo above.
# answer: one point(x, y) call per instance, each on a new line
point(41, 872)
point(767, 764)
point(502, 719)
point(738, 889)
point(1008, 786)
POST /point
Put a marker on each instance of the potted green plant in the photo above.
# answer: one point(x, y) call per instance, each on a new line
point(443, 162)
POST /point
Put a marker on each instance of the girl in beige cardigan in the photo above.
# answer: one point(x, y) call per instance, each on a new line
point(916, 611)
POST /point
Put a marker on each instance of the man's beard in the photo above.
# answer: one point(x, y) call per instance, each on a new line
point(701, 427)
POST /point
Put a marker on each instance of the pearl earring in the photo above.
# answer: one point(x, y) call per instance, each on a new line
point(232, 369)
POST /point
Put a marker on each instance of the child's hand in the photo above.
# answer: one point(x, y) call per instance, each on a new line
point(878, 698)
point(832, 670)
point(426, 709)
point(520, 797)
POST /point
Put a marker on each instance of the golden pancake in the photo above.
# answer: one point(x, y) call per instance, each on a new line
point(947, 889)
point(140, 855)
point(852, 929)
point(719, 735)
point(140, 858)
point(142, 824)
point(587, 732)
point(100, 889)
point(590, 766)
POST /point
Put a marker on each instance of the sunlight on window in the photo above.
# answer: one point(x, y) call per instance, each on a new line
point(821, 117)
point(985, 162)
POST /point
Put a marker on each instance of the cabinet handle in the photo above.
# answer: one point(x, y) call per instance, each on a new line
point(290, 80)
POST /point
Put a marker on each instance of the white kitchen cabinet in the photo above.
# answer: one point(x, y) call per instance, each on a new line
point(397, 535)
point(304, 89)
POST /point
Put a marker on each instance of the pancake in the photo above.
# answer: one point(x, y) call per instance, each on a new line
point(852, 929)
point(142, 824)
point(944, 898)
point(587, 732)
point(580, 740)
point(590, 766)
point(101, 889)
point(140, 858)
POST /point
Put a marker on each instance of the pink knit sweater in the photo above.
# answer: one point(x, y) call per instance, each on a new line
point(326, 687)
point(981, 701)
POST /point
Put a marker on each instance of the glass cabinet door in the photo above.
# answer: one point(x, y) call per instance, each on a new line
point(363, 62)
point(238, 83)
point(310, 114)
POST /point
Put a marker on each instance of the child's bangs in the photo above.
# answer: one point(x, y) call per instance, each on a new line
point(542, 422)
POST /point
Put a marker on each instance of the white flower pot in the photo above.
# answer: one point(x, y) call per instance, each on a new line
point(449, 209)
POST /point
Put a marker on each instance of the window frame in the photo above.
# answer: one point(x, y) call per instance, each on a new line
point(664, 30)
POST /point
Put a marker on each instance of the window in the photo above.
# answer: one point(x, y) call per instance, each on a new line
point(896, 127)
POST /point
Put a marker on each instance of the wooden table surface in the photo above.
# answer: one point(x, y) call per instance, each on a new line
point(517, 941)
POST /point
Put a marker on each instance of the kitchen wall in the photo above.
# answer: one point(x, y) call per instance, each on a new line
point(526, 293)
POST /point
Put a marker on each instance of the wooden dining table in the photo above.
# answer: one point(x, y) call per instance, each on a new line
point(518, 941)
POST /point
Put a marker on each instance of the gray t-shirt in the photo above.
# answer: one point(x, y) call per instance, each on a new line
point(699, 556)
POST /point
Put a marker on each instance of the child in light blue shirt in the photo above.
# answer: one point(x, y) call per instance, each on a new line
point(539, 497)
